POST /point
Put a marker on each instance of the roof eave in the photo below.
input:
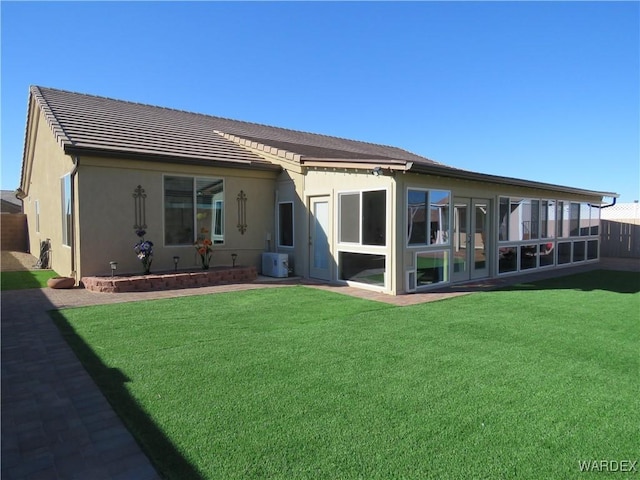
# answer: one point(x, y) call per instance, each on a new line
point(123, 154)
point(482, 177)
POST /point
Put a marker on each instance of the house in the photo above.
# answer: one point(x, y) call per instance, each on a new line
point(95, 170)
point(9, 203)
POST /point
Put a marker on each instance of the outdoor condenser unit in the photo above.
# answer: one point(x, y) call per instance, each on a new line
point(275, 264)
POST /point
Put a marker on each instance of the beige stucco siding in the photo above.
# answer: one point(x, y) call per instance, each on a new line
point(49, 165)
point(107, 214)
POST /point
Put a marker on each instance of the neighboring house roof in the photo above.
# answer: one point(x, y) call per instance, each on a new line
point(92, 125)
point(9, 202)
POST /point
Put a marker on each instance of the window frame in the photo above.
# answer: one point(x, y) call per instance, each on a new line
point(67, 232)
point(360, 219)
point(431, 246)
point(293, 224)
point(216, 238)
point(36, 207)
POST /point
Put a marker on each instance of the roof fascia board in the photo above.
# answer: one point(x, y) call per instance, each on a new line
point(482, 177)
point(354, 164)
point(28, 152)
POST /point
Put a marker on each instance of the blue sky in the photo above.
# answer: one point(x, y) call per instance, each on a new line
point(547, 91)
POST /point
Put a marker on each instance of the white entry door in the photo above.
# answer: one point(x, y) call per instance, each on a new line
point(319, 235)
point(470, 238)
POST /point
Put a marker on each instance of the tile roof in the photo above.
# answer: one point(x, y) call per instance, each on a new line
point(89, 124)
point(85, 123)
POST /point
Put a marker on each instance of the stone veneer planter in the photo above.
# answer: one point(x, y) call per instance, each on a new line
point(171, 281)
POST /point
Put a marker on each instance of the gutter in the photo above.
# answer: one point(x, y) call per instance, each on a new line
point(605, 206)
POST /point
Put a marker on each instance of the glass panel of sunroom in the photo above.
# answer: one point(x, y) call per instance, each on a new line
point(439, 226)
point(585, 219)
point(595, 221)
point(579, 251)
point(432, 267)
point(503, 230)
point(564, 253)
point(528, 256)
point(545, 254)
point(362, 268)
point(350, 218)
point(374, 217)
point(508, 260)
point(574, 219)
point(417, 217)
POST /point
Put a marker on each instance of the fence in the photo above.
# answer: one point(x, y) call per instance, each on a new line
point(13, 232)
point(619, 239)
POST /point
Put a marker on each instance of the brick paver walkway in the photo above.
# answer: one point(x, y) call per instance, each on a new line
point(56, 424)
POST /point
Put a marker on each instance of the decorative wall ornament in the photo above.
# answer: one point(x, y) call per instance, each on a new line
point(139, 199)
point(242, 212)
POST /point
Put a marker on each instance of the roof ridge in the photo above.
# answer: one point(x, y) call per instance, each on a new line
point(283, 129)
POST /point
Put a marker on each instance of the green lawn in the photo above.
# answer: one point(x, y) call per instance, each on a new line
point(298, 383)
point(25, 279)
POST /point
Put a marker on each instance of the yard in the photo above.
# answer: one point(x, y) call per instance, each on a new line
point(298, 383)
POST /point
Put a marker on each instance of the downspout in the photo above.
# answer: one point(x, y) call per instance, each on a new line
point(73, 174)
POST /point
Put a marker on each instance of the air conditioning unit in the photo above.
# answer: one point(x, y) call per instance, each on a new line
point(275, 264)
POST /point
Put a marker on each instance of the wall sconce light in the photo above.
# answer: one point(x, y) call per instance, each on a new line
point(234, 256)
point(376, 172)
point(113, 266)
point(176, 259)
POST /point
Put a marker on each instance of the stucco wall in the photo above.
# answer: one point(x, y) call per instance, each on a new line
point(49, 165)
point(106, 211)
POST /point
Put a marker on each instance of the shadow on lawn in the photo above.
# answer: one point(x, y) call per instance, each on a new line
point(607, 280)
point(160, 450)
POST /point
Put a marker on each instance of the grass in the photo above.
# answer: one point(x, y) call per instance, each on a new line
point(299, 383)
point(25, 279)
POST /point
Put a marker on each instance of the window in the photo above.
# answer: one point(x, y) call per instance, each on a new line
point(363, 217)
point(574, 219)
point(363, 268)
point(547, 219)
point(37, 210)
point(585, 220)
point(563, 219)
point(193, 210)
point(564, 253)
point(66, 209)
point(579, 251)
point(285, 224)
point(428, 217)
point(432, 267)
point(508, 259)
point(595, 221)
